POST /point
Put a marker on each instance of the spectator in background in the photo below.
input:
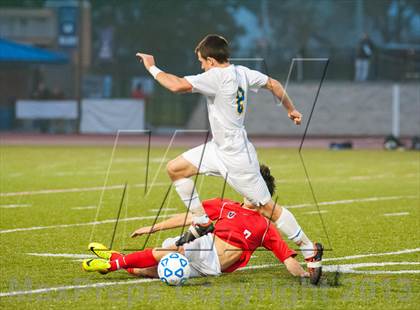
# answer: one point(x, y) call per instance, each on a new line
point(41, 92)
point(57, 93)
point(364, 54)
point(138, 93)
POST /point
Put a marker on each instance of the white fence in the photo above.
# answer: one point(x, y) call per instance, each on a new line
point(98, 115)
point(343, 109)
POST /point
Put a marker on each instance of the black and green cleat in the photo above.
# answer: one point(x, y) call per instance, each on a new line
point(195, 231)
point(314, 264)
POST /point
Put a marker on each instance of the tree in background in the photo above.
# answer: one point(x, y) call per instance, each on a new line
point(394, 20)
point(169, 30)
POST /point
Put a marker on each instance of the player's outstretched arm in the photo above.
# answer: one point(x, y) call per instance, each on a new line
point(295, 268)
point(277, 89)
point(178, 220)
point(169, 81)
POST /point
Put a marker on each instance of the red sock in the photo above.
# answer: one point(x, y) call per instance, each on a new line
point(141, 259)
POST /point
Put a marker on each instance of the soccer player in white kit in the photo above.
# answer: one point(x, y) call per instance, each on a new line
point(229, 154)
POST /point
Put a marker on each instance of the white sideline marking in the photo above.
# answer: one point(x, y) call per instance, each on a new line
point(66, 190)
point(72, 173)
point(15, 206)
point(291, 207)
point(68, 255)
point(64, 255)
point(329, 268)
point(343, 258)
point(369, 177)
point(167, 209)
point(350, 268)
point(316, 212)
point(373, 254)
point(72, 287)
point(84, 208)
point(15, 174)
point(396, 214)
point(6, 231)
point(332, 267)
point(138, 160)
point(337, 202)
point(75, 190)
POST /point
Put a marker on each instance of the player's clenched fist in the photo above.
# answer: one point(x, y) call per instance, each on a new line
point(295, 116)
point(148, 60)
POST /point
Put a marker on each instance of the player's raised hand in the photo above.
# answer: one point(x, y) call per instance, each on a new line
point(148, 60)
point(142, 231)
point(295, 116)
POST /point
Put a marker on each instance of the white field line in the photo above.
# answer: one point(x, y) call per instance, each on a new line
point(291, 207)
point(406, 251)
point(15, 174)
point(138, 160)
point(346, 178)
point(73, 287)
point(343, 258)
point(331, 268)
point(347, 201)
point(7, 231)
point(370, 177)
point(81, 256)
point(397, 214)
point(75, 190)
point(372, 255)
point(15, 206)
point(350, 268)
point(84, 208)
point(166, 209)
point(62, 255)
point(73, 173)
point(316, 212)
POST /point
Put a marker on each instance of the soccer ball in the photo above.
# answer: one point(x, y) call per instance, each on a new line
point(174, 269)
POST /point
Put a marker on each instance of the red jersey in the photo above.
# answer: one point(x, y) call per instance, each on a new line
point(246, 229)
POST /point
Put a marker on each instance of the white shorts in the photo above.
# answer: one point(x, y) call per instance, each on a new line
point(201, 254)
point(242, 169)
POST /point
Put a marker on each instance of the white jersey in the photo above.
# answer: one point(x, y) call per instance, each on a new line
point(226, 90)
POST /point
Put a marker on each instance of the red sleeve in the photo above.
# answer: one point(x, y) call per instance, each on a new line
point(212, 208)
point(274, 242)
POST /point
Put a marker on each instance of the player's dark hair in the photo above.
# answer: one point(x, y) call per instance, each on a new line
point(214, 46)
point(268, 178)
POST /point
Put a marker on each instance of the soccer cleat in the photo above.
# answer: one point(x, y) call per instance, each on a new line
point(195, 231)
point(315, 264)
point(101, 250)
point(96, 264)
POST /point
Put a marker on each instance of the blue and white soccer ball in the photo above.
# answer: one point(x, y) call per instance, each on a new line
point(174, 269)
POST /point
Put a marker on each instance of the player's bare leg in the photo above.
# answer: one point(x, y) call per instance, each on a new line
point(287, 224)
point(180, 170)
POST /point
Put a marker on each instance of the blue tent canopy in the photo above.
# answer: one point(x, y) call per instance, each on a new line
point(16, 52)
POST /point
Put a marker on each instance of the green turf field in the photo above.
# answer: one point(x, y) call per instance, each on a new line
point(369, 201)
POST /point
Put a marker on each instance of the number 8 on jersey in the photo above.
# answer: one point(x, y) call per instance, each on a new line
point(240, 97)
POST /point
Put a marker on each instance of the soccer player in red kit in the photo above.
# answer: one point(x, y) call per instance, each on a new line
point(239, 230)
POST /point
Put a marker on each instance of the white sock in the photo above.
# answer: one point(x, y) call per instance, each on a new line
point(288, 225)
point(188, 194)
